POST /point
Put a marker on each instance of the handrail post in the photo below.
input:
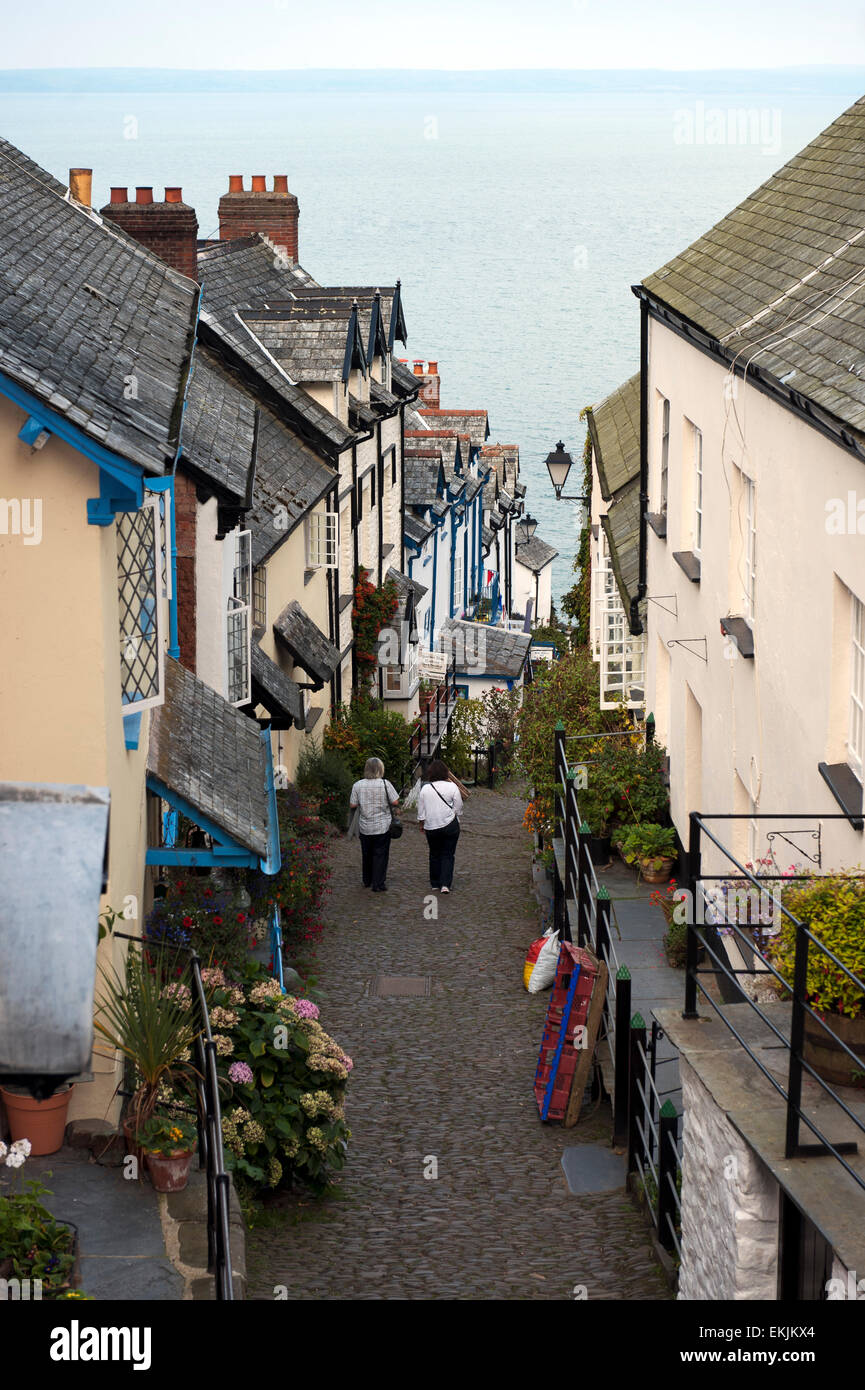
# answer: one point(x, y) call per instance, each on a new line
point(636, 1076)
point(583, 891)
point(690, 1010)
point(667, 1165)
point(797, 1041)
point(601, 945)
point(623, 1044)
point(559, 769)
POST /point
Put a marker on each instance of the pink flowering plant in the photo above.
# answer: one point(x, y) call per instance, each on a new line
point(283, 1083)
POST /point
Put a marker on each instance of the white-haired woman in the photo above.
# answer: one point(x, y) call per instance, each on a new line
point(374, 796)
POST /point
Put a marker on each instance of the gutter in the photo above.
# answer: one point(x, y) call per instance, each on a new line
point(829, 425)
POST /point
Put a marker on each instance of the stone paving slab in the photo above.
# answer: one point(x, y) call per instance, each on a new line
point(443, 1085)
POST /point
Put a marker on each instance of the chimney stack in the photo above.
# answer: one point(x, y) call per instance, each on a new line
point(430, 392)
point(169, 229)
point(80, 185)
point(275, 213)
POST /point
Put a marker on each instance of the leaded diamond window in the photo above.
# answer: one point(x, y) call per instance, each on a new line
point(140, 584)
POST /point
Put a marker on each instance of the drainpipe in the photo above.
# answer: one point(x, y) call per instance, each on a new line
point(379, 473)
point(353, 513)
point(635, 622)
point(402, 488)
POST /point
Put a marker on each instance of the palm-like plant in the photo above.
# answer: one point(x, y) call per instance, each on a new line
point(153, 1028)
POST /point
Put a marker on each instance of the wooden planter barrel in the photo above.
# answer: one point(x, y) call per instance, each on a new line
point(825, 1055)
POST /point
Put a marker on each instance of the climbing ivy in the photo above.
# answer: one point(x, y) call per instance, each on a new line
point(577, 602)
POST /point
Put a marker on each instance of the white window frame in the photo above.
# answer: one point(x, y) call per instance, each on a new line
point(322, 540)
point(457, 578)
point(665, 454)
point(237, 572)
point(856, 732)
point(750, 588)
point(160, 567)
point(698, 491)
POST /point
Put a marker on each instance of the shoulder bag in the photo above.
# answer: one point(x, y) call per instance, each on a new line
point(451, 805)
point(395, 822)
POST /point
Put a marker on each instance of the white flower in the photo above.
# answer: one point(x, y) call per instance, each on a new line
point(21, 1146)
point(14, 1160)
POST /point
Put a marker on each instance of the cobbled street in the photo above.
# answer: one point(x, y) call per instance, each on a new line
point(448, 1077)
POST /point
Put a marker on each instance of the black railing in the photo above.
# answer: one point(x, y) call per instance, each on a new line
point(702, 935)
point(209, 1115)
point(433, 720)
point(644, 1117)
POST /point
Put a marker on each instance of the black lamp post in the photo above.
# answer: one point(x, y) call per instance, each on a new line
point(559, 464)
point(526, 529)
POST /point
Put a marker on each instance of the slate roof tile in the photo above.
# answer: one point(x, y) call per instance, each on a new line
point(306, 643)
point(485, 650)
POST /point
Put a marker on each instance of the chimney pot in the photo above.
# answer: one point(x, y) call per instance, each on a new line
point(259, 183)
point(119, 195)
point(174, 195)
point(80, 185)
point(418, 368)
point(433, 368)
point(235, 183)
point(280, 183)
point(144, 195)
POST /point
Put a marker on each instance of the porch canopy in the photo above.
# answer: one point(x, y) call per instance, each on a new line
point(306, 644)
point(53, 856)
point(276, 691)
point(212, 764)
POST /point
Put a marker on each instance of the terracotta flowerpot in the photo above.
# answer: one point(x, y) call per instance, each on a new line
point(43, 1122)
point(661, 875)
point(169, 1172)
point(826, 1057)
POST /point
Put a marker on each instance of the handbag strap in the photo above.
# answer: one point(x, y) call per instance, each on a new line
point(451, 805)
point(387, 799)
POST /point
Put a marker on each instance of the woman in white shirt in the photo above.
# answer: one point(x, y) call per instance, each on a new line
point(375, 796)
point(439, 808)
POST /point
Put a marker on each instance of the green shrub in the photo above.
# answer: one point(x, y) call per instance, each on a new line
point(649, 844)
point(325, 776)
point(832, 906)
point(368, 729)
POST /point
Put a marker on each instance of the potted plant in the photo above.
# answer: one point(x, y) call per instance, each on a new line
point(35, 1245)
point(833, 908)
point(653, 847)
point(42, 1122)
point(597, 808)
point(147, 1016)
point(169, 1143)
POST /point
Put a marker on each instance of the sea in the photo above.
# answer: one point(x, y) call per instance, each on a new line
point(517, 209)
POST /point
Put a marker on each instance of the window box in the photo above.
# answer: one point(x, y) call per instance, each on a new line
point(689, 562)
point(740, 632)
point(846, 789)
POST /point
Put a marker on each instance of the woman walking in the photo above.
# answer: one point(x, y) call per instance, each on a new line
point(439, 808)
point(374, 796)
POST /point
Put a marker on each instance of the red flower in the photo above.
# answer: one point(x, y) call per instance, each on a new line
point(217, 921)
point(241, 916)
point(187, 922)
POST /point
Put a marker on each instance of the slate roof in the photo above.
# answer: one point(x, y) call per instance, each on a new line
point(487, 537)
point(404, 382)
point(499, 652)
point(404, 587)
point(306, 643)
point(273, 689)
point(309, 338)
point(622, 527)
point(615, 429)
point(414, 421)
point(422, 481)
point(535, 554)
point(775, 276)
point(244, 273)
point(365, 296)
point(289, 479)
point(83, 310)
point(219, 426)
point(416, 529)
point(503, 461)
point(210, 754)
point(474, 423)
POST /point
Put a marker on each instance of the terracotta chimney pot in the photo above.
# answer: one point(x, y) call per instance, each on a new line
point(418, 368)
point(433, 368)
point(259, 183)
point(144, 195)
point(174, 195)
point(280, 183)
point(80, 185)
point(120, 195)
point(235, 183)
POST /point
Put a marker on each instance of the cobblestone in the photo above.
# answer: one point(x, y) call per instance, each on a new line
point(448, 1077)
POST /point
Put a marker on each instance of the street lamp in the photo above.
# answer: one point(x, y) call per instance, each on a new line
point(559, 466)
point(526, 528)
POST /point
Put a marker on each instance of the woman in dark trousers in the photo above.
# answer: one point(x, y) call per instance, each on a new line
point(439, 808)
point(374, 796)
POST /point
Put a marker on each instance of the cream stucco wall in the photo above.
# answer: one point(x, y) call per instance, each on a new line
point(60, 707)
point(769, 720)
point(210, 598)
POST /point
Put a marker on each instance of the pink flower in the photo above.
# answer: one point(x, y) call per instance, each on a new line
point(241, 1073)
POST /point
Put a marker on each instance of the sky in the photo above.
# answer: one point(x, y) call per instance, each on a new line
point(458, 34)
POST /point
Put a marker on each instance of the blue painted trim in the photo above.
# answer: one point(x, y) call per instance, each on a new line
point(132, 729)
point(31, 430)
point(167, 485)
point(226, 849)
point(434, 579)
point(170, 820)
point(200, 859)
point(273, 863)
point(276, 947)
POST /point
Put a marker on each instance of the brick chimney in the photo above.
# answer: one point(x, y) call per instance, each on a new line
point(275, 213)
point(430, 391)
point(169, 229)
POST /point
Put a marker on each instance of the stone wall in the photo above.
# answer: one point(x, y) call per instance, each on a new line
point(730, 1206)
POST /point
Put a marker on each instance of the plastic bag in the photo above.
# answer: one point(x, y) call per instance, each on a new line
point(542, 957)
